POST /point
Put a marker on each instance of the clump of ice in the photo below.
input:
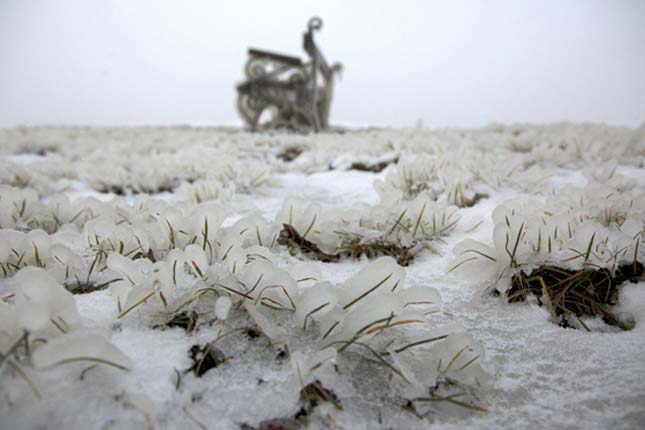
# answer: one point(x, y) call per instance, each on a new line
point(43, 329)
point(595, 226)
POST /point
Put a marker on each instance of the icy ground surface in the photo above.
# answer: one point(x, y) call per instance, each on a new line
point(543, 376)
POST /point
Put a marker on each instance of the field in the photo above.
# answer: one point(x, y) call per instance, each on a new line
point(210, 278)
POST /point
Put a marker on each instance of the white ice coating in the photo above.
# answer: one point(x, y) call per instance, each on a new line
point(197, 229)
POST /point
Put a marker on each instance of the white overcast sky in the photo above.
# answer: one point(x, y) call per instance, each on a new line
point(448, 63)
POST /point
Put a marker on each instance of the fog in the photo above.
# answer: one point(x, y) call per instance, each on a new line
point(458, 63)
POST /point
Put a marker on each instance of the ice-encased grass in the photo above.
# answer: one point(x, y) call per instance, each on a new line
point(371, 305)
point(514, 160)
point(584, 229)
point(42, 329)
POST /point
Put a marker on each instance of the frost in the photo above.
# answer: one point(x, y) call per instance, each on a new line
point(64, 263)
point(206, 220)
point(305, 274)
point(304, 365)
point(383, 275)
point(250, 231)
point(304, 218)
point(9, 328)
point(459, 358)
point(271, 330)
point(80, 347)
point(196, 259)
point(126, 267)
point(42, 304)
point(222, 307)
point(425, 297)
point(267, 285)
point(316, 302)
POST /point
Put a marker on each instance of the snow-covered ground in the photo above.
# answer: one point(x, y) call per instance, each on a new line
point(189, 220)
